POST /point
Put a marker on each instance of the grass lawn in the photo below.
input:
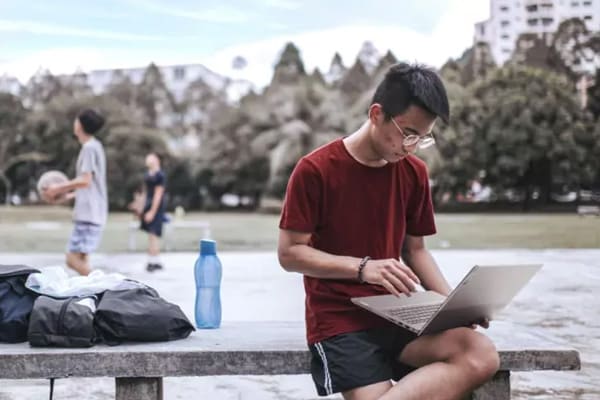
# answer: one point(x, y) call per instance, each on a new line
point(47, 229)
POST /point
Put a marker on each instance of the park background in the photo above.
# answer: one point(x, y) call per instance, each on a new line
point(232, 96)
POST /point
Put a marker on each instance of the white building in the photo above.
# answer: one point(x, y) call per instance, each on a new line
point(176, 77)
point(511, 18)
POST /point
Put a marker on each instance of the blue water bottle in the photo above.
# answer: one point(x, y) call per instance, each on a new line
point(207, 272)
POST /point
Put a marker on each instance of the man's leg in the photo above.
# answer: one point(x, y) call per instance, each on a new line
point(370, 392)
point(79, 262)
point(450, 365)
point(153, 245)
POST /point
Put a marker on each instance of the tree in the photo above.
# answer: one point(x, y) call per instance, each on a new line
point(156, 101)
point(12, 134)
point(594, 96)
point(523, 127)
point(126, 149)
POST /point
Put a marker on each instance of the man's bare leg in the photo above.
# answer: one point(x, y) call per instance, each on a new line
point(370, 392)
point(79, 262)
point(450, 365)
point(153, 245)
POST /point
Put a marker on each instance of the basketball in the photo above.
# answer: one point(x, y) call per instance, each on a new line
point(50, 178)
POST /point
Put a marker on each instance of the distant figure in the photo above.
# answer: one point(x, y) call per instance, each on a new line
point(153, 213)
point(89, 190)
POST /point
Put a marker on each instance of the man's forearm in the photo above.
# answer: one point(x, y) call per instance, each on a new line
point(309, 261)
point(423, 264)
point(74, 184)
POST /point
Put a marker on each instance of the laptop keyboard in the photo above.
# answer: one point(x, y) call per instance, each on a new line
point(415, 314)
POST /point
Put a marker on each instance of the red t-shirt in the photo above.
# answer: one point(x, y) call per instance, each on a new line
point(353, 210)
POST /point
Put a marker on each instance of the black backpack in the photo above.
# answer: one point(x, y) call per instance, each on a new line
point(16, 302)
point(139, 315)
point(62, 322)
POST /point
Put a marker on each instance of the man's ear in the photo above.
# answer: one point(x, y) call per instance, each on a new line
point(375, 113)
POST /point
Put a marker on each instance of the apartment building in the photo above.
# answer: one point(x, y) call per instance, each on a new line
point(511, 18)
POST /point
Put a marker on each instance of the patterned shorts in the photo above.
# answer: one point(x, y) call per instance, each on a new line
point(85, 238)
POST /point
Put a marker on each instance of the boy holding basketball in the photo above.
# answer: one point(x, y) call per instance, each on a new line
point(89, 190)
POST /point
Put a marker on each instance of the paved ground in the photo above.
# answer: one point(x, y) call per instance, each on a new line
point(559, 301)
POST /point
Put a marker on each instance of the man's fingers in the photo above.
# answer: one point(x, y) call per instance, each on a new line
point(397, 282)
point(386, 284)
point(405, 278)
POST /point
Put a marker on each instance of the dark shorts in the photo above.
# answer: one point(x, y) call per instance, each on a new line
point(155, 226)
point(352, 360)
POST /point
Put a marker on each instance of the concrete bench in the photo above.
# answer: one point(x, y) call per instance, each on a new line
point(245, 348)
point(169, 228)
point(588, 210)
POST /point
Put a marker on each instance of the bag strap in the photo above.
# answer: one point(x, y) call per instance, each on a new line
point(52, 388)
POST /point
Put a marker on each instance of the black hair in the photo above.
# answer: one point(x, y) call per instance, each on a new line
point(412, 84)
point(91, 121)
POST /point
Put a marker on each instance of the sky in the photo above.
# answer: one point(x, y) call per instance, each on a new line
point(64, 36)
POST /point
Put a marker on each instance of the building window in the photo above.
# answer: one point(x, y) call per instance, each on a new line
point(574, 4)
point(587, 18)
point(505, 36)
point(587, 3)
point(547, 21)
point(547, 6)
point(506, 50)
point(179, 73)
point(532, 21)
point(504, 8)
point(505, 23)
point(482, 29)
point(532, 8)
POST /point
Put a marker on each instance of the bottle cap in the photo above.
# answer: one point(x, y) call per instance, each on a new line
point(208, 247)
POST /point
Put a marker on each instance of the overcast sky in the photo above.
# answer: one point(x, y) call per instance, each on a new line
point(66, 35)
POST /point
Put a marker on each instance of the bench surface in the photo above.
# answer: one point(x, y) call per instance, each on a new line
point(242, 348)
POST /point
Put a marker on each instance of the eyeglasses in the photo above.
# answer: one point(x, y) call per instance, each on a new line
point(422, 142)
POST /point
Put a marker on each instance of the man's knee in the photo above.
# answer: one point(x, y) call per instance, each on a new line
point(479, 354)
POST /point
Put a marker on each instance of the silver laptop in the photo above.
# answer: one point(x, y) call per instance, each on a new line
point(482, 294)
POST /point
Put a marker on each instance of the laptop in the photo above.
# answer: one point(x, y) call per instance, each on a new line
point(482, 294)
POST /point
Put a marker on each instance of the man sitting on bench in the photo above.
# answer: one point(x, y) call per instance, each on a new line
point(349, 205)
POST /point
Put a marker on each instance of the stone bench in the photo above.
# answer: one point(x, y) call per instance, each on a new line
point(203, 227)
point(245, 348)
point(588, 210)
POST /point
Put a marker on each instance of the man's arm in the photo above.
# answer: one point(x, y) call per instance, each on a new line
point(416, 255)
point(82, 181)
point(157, 197)
point(295, 255)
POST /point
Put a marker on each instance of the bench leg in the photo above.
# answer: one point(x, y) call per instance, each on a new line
point(139, 388)
point(496, 389)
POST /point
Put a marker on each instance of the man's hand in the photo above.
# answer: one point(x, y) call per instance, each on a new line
point(51, 193)
point(392, 274)
point(149, 216)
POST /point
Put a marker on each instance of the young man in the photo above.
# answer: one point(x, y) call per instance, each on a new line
point(90, 193)
point(349, 207)
point(153, 213)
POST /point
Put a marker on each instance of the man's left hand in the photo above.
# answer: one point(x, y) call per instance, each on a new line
point(149, 216)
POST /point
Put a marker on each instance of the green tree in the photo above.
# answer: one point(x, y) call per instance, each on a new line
point(523, 127)
point(13, 150)
point(126, 149)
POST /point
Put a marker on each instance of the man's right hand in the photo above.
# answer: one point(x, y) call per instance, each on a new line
point(392, 274)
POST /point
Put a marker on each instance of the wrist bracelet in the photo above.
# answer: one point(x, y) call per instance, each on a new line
point(361, 266)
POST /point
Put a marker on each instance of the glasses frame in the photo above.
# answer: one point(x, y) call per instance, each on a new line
point(422, 142)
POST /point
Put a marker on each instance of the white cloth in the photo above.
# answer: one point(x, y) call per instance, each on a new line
point(54, 282)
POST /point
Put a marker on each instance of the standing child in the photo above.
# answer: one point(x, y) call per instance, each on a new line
point(153, 214)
